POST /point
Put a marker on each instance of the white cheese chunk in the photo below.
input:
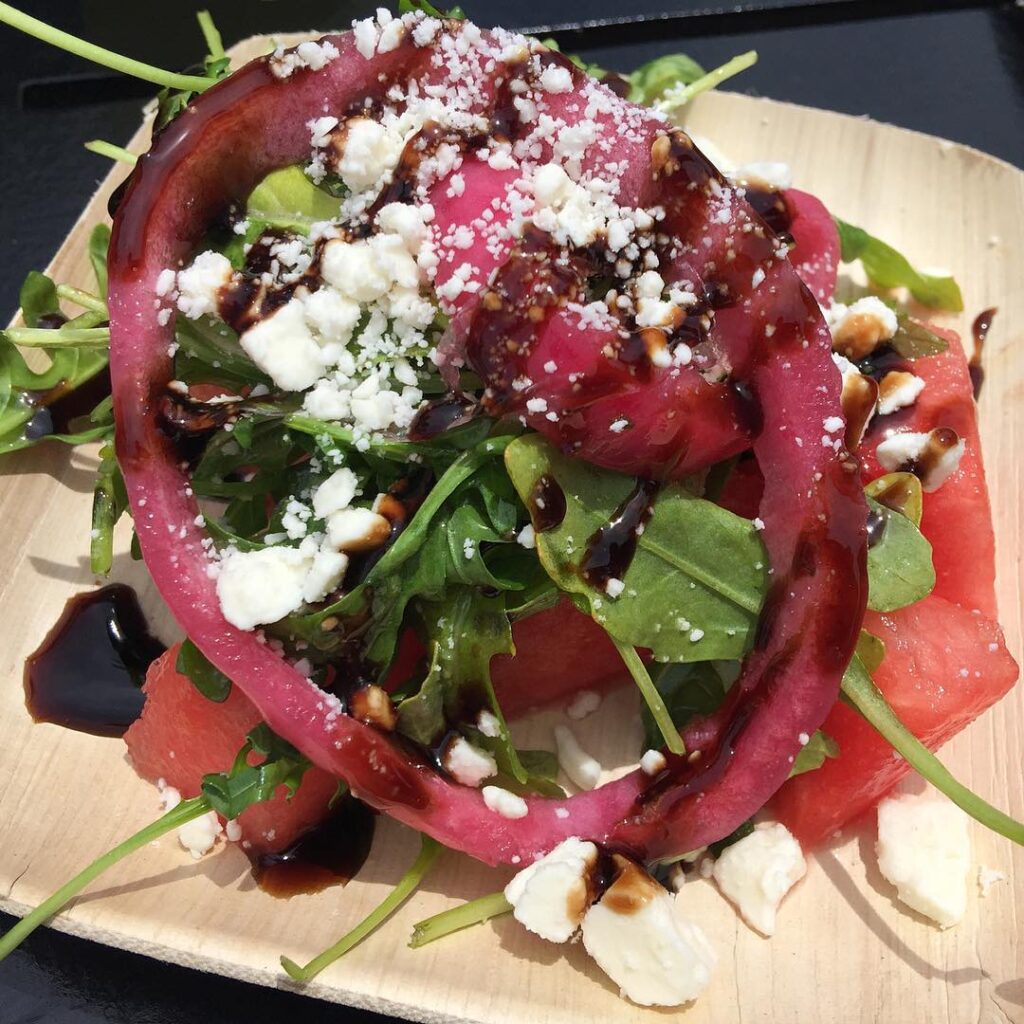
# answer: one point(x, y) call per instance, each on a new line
point(332, 316)
point(896, 390)
point(551, 895)
point(581, 767)
point(258, 587)
point(859, 328)
point(468, 764)
point(199, 284)
point(326, 572)
point(357, 529)
point(335, 493)
point(370, 152)
point(924, 850)
point(502, 802)
point(644, 944)
point(199, 835)
point(940, 449)
point(283, 346)
point(756, 872)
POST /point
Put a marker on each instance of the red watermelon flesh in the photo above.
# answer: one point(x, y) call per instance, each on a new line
point(957, 517)
point(815, 252)
point(944, 665)
point(182, 736)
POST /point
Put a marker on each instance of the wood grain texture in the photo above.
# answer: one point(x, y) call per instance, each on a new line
point(844, 951)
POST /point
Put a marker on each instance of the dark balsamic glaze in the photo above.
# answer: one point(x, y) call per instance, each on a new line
point(770, 206)
point(58, 408)
point(878, 520)
point(611, 549)
point(895, 495)
point(546, 504)
point(88, 672)
point(442, 414)
point(979, 330)
point(330, 853)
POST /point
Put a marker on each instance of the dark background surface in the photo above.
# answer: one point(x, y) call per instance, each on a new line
point(955, 70)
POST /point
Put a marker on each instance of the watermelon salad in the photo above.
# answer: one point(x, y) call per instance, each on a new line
point(449, 378)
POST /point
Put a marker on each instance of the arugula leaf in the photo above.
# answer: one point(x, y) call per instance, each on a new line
point(888, 268)
point(695, 586)
point(689, 690)
point(870, 650)
point(229, 793)
point(675, 97)
point(913, 340)
point(465, 915)
point(186, 811)
point(813, 753)
point(109, 503)
point(209, 352)
point(288, 199)
point(649, 82)
point(99, 243)
point(427, 551)
point(466, 631)
point(205, 677)
point(900, 569)
point(407, 885)
point(216, 65)
point(860, 692)
point(900, 492)
point(424, 6)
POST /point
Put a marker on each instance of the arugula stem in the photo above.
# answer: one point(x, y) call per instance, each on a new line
point(81, 298)
point(42, 337)
point(214, 44)
point(97, 54)
point(860, 691)
point(108, 149)
point(659, 712)
point(186, 811)
point(677, 98)
point(407, 885)
point(465, 916)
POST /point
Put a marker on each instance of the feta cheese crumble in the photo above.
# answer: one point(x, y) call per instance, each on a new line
point(924, 850)
point(550, 897)
point(502, 802)
point(468, 764)
point(581, 767)
point(644, 944)
point(757, 871)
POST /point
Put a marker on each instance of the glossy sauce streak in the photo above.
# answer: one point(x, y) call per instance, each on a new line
point(896, 495)
point(771, 207)
point(611, 549)
point(329, 854)
point(979, 330)
point(440, 415)
point(57, 408)
point(877, 522)
point(88, 672)
point(547, 504)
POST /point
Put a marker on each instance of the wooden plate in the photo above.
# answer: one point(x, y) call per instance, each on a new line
point(844, 951)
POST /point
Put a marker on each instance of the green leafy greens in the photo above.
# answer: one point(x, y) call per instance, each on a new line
point(695, 586)
point(888, 268)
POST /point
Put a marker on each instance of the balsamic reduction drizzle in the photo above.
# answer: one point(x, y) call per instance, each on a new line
point(330, 853)
point(88, 672)
point(979, 330)
point(611, 549)
point(547, 504)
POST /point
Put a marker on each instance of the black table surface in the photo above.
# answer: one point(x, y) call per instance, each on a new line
point(950, 69)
